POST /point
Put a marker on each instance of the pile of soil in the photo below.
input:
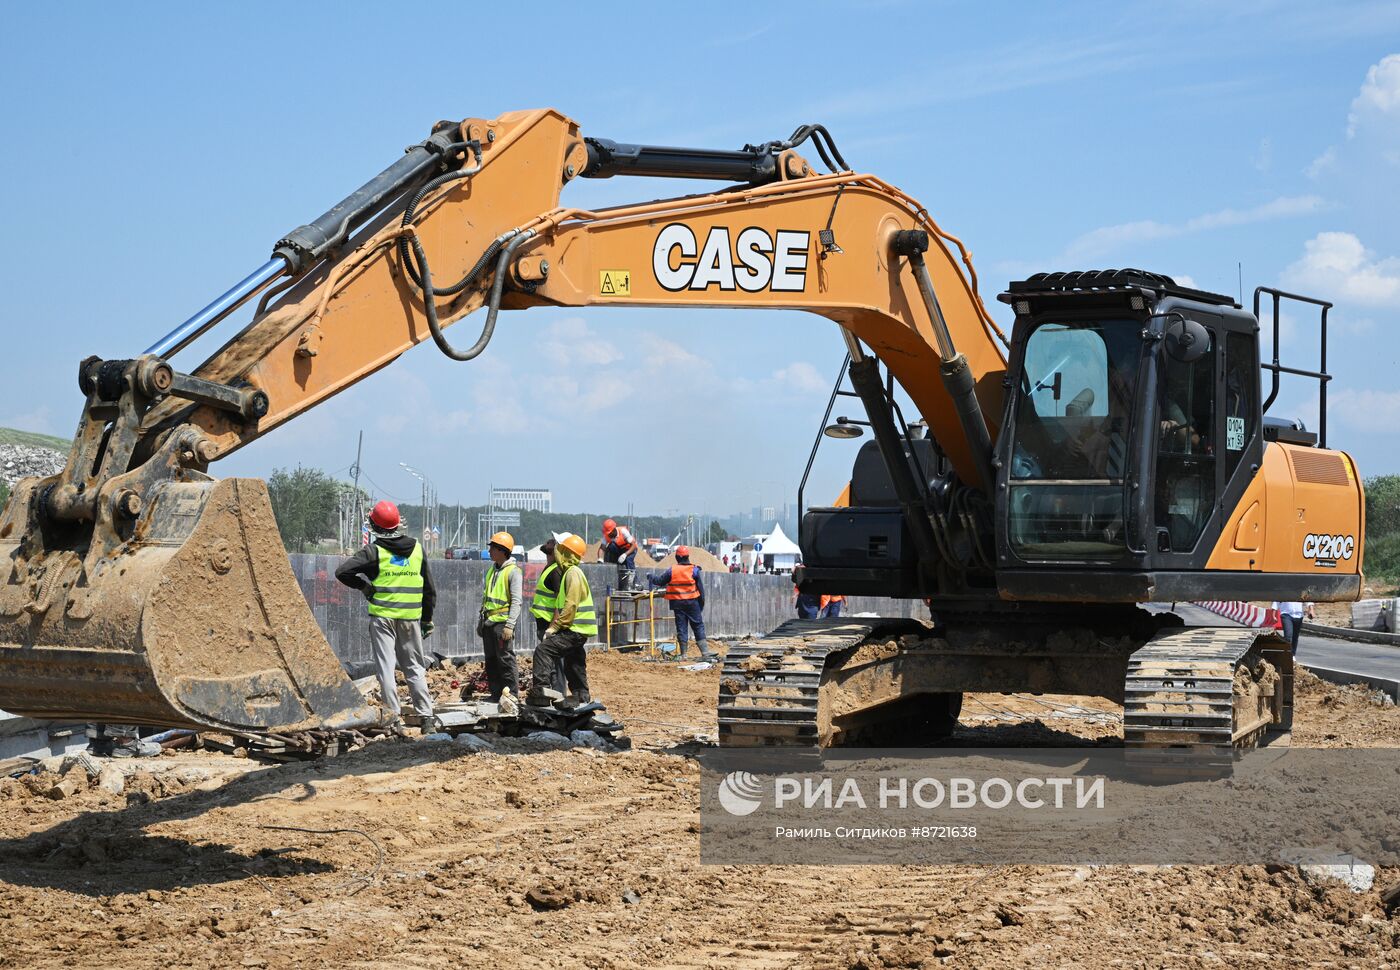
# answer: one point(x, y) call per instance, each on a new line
point(698, 557)
point(582, 859)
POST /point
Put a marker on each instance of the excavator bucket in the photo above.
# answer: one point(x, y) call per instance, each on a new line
point(194, 619)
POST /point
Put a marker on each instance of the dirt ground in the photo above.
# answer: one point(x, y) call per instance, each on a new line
point(582, 859)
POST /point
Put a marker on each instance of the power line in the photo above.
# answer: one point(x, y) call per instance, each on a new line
point(381, 489)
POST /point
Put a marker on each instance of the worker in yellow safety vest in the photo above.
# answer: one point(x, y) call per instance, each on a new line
point(394, 577)
point(500, 612)
point(575, 620)
point(546, 601)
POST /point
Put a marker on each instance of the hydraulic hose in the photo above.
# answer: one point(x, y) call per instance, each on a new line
point(493, 303)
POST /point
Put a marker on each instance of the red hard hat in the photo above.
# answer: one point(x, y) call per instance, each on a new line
point(384, 515)
point(682, 552)
point(609, 527)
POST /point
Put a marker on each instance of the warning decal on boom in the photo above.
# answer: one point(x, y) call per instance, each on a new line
point(615, 282)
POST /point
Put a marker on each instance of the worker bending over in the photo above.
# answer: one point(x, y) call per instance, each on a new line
point(546, 602)
point(620, 546)
point(686, 595)
point(500, 611)
point(564, 637)
point(393, 574)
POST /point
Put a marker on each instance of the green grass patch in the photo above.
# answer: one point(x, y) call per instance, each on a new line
point(11, 436)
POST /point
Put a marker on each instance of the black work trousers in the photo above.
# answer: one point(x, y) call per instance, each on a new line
point(557, 679)
point(566, 646)
point(500, 661)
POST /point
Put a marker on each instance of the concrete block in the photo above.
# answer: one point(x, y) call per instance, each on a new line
point(111, 780)
point(1355, 875)
point(591, 739)
point(472, 742)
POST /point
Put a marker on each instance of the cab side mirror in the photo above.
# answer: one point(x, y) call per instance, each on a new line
point(1186, 340)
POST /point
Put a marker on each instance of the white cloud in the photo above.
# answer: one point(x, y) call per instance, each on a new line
point(1379, 99)
point(571, 341)
point(1322, 164)
point(660, 354)
point(801, 377)
point(1186, 280)
point(1372, 144)
point(1336, 266)
point(1112, 239)
point(1368, 411)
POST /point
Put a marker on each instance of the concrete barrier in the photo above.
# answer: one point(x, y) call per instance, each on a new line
point(1242, 613)
point(736, 605)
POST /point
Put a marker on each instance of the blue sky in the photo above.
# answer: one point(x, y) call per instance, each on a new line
point(155, 152)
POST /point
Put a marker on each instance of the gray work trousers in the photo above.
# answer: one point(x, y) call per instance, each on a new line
point(400, 641)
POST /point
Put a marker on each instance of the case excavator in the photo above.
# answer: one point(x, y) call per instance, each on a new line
point(1112, 451)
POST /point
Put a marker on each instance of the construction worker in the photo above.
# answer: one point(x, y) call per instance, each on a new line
point(809, 605)
point(620, 547)
point(831, 607)
point(546, 601)
point(393, 574)
point(500, 611)
point(686, 595)
point(575, 620)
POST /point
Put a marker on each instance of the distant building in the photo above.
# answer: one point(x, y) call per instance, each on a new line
point(524, 499)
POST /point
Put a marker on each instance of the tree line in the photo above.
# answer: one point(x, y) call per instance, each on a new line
point(310, 508)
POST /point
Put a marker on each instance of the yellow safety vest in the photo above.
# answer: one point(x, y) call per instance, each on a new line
point(585, 619)
point(544, 602)
point(495, 597)
point(398, 589)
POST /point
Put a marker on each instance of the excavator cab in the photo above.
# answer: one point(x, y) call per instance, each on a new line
point(1136, 464)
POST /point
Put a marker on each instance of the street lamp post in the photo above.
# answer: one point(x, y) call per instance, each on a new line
point(427, 491)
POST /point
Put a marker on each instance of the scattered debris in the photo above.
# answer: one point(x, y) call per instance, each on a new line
point(24, 461)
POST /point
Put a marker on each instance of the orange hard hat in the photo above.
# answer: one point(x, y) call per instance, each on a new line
point(574, 544)
point(609, 527)
point(682, 552)
point(384, 515)
point(505, 540)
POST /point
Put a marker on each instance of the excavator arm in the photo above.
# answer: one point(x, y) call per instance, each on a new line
point(135, 588)
point(755, 246)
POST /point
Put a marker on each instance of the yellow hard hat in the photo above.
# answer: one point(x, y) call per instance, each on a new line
point(574, 544)
point(505, 540)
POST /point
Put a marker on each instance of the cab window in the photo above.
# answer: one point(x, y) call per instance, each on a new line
point(1186, 450)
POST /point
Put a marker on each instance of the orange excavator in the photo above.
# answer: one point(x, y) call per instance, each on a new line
point(1113, 451)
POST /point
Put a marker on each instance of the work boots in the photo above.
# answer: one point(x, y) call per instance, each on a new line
point(576, 699)
point(705, 652)
point(542, 697)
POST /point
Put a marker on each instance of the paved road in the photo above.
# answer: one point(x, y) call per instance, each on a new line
point(1366, 659)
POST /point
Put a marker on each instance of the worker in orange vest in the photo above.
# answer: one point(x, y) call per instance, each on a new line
point(830, 607)
point(620, 547)
point(686, 595)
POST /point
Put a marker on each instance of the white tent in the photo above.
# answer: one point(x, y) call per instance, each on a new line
point(775, 552)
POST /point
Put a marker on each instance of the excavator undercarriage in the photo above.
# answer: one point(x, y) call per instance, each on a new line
point(899, 682)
